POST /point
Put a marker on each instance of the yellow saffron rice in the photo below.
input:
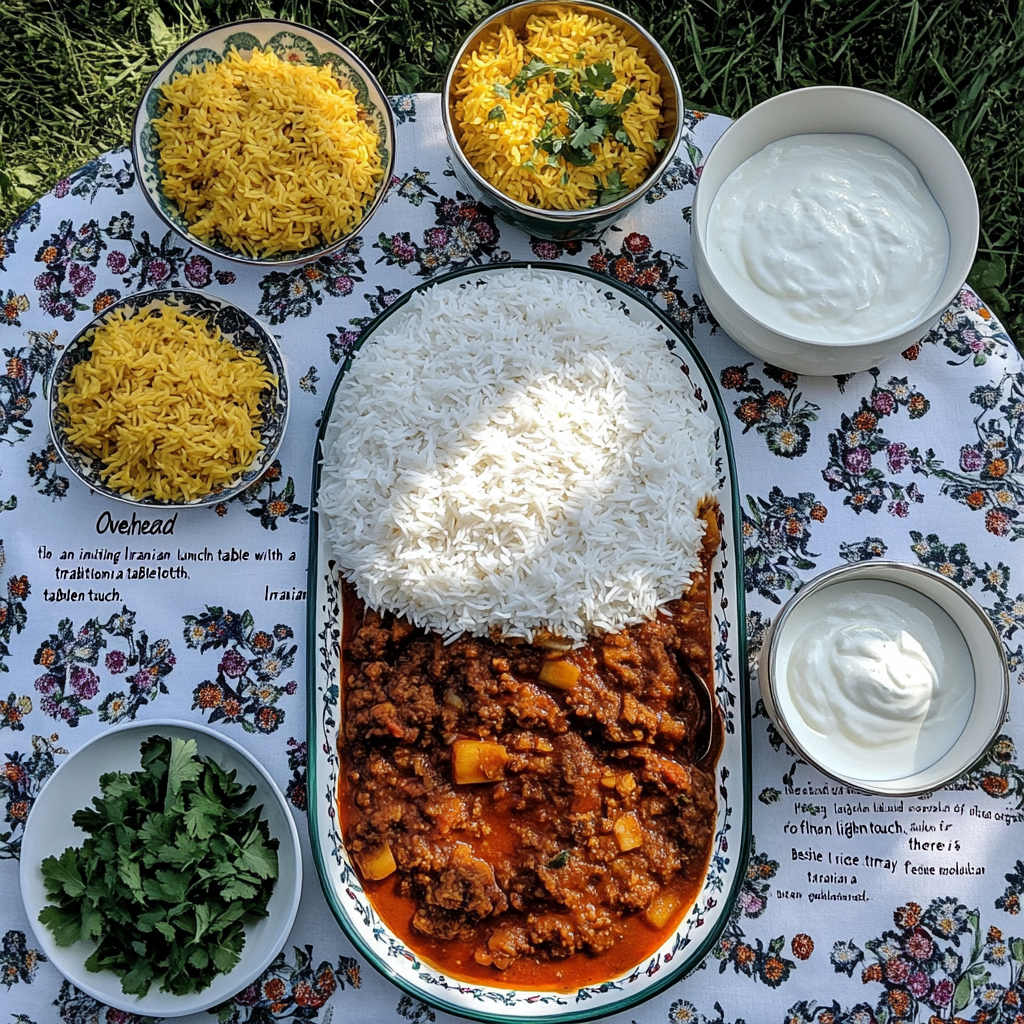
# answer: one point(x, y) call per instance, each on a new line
point(168, 407)
point(265, 155)
point(503, 150)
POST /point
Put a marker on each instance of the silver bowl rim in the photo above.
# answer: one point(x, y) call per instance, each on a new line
point(267, 454)
point(271, 262)
point(563, 216)
point(769, 651)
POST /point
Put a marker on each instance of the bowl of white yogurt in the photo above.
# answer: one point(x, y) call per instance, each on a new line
point(885, 676)
point(831, 227)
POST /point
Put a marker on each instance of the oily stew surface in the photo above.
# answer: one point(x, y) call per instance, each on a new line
point(510, 806)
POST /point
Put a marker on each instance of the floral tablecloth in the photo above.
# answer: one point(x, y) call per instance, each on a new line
point(853, 909)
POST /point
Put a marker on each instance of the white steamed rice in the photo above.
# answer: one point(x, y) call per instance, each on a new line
point(516, 454)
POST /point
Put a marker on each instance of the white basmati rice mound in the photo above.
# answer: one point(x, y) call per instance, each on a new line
point(513, 453)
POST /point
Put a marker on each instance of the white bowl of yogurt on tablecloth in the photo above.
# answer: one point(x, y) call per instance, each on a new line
point(831, 227)
point(885, 676)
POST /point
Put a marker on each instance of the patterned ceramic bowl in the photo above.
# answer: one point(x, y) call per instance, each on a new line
point(682, 949)
point(290, 42)
point(564, 224)
point(242, 330)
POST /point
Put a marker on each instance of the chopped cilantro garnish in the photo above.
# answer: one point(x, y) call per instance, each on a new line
point(598, 77)
point(496, 114)
point(589, 118)
point(171, 872)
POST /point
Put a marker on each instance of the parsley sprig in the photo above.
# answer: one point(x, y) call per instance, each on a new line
point(589, 118)
point(171, 872)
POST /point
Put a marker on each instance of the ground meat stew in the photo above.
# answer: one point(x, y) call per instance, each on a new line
point(524, 816)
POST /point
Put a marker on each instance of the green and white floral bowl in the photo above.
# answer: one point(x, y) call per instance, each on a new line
point(290, 42)
point(238, 327)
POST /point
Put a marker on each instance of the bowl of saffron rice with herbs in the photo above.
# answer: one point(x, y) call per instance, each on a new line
point(561, 115)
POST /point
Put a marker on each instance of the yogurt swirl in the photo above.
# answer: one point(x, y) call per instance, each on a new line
point(877, 686)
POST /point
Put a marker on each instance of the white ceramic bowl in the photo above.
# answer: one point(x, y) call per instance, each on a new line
point(838, 109)
point(991, 674)
point(49, 830)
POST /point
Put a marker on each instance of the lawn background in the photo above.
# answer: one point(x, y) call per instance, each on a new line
point(72, 71)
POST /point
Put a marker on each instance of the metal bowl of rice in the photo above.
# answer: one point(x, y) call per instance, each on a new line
point(510, 145)
point(129, 407)
point(274, 183)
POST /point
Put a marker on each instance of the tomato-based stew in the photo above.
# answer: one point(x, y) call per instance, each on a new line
point(530, 815)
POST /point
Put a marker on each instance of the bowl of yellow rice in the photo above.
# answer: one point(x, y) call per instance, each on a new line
point(561, 115)
point(169, 398)
point(264, 142)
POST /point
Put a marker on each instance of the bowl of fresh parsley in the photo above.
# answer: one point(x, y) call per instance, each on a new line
point(560, 116)
point(161, 869)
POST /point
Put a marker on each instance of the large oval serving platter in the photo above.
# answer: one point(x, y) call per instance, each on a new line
point(686, 948)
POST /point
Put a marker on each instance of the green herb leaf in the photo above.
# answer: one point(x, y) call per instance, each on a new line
point(64, 922)
point(588, 134)
point(496, 114)
point(599, 77)
point(257, 857)
point(225, 956)
point(202, 816)
point(238, 890)
point(172, 870)
point(534, 69)
point(613, 190)
point(183, 767)
point(130, 873)
point(503, 91)
point(137, 981)
point(589, 118)
point(63, 874)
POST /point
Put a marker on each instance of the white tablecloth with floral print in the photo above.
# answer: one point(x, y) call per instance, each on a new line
point(854, 909)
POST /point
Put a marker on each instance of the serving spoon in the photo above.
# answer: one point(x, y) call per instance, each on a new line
point(705, 735)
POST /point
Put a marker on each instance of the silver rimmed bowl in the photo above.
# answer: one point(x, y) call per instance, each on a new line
point(563, 224)
point(971, 658)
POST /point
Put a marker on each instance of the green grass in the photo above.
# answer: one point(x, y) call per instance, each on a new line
point(73, 71)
